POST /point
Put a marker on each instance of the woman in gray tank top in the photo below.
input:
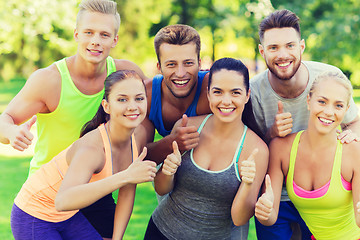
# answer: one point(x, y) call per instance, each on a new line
point(217, 182)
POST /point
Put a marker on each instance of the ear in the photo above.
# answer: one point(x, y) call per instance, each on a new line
point(308, 102)
point(199, 63)
point(76, 35)
point(105, 106)
point(116, 39)
point(158, 66)
point(248, 96)
point(261, 50)
point(302, 45)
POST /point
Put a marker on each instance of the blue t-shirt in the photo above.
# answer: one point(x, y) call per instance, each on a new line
point(155, 115)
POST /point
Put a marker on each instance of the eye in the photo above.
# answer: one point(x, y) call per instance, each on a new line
point(291, 45)
point(87, 32)
point(340, 106)
point(139, 99)
point(216, 92)
point(236, 93)
point(189, 63)
point(122, 99)
point(105, 35)
point(170, 65)
point(273, 48)
point(322, 102)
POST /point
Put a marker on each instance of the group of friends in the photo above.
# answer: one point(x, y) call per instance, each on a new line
point(282, 146)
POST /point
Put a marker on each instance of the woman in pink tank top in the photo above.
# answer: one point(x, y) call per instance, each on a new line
point(103, 160)
point(322, 174)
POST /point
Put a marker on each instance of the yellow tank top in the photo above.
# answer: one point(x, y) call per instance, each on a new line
point(60, 128)
point(331, 216)
point(37, 195)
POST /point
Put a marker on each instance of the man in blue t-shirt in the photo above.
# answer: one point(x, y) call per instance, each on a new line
point(180, 91)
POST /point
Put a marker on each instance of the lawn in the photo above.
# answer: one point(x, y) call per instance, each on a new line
point(13, 173)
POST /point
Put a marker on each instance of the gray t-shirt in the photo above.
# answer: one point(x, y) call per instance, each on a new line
point(265, 102)
point(199, 207)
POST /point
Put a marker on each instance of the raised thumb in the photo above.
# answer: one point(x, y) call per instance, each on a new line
point(184, 120)
point(280, 107)
point(268, 187)
point(31, 122)
point(175, 148)
point(142, 155)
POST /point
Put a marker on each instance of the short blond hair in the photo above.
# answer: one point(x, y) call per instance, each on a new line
point(100, 6)
point(334, 75)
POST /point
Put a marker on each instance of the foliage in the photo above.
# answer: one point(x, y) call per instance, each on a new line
point(37, 32)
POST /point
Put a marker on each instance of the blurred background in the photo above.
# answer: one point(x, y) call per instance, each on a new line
point(35, 33)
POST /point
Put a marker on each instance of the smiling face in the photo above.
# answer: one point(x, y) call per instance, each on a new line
point(127, 102)
point(328, 104)
point(179, 65)
point(282, 49)
point(95, 35)
point(227, 95)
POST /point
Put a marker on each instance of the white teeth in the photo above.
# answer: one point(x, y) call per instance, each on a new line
point(180, 82)
point(226, 110)
point(283, 64)
point(325, 120)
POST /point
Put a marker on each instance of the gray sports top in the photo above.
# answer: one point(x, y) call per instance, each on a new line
point(199, 207)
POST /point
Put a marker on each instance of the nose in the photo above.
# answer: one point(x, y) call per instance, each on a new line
point(226, 99)
point(132, 106)
point(180, 71)
point(95, 40)
point(328, 110)
point(283, 53)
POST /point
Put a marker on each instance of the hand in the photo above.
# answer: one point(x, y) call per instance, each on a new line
point(185, 136)
point(22, 137)
point(265, 203)
point(283, 123)
point(172, 161)
point(248, 168)
point(347, 136)
point(141, 170)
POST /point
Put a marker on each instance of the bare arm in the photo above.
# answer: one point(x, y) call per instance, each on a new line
point(267, 206)
point(123, 210)
point(252, 171)
point(355, 182)
point(164, 180)
point(76, 192)
point(38, 95)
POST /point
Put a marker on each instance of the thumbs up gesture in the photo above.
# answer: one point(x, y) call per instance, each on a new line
point(172, 161)
point(141, 170)
point(265, 203)
point(185, 136)
point(22, 138)
point(248, 168)
point(282, 124)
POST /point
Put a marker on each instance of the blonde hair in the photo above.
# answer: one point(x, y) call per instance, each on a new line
point(334, 75)
point(100, 6)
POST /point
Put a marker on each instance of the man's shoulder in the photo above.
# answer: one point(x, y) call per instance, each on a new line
point(314, 66)
point(46, 75)
point(259, 78)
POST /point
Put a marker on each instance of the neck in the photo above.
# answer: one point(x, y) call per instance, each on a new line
point(317, 140)
point(119, 136)
point(85, 69)
point(226, 130)
point(292, 87)
point(180, 103)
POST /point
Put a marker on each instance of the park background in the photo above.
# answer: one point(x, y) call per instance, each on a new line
point(35, 33)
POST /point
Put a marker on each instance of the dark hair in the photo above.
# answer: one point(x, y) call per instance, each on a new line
point(232, 64)
point(177, 34)
point(279, 19)
point(101, 116)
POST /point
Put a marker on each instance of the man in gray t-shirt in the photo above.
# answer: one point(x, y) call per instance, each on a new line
point(278, 98)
